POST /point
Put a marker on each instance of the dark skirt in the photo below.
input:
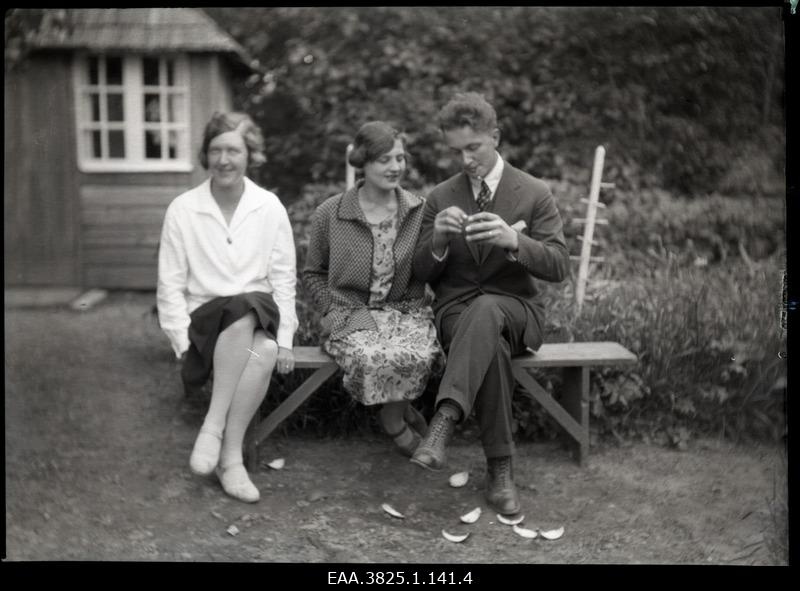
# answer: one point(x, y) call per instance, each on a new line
point(210, 319)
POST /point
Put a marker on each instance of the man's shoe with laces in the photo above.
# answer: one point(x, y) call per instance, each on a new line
point(501, 494)
point(431, 451)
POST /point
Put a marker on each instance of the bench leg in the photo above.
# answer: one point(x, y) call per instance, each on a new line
point(575, 401)
point(250, 444)
point(568, 422)
point(257, 432)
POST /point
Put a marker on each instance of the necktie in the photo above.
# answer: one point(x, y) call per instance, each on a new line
point(484, 197)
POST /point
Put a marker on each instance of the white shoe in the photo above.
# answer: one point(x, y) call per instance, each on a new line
point(205, 454)
point(236, 482)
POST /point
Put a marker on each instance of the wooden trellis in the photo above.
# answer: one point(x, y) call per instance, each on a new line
point(349, 171)
point(587, 240)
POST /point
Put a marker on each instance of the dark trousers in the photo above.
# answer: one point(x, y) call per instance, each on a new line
point(480, 337)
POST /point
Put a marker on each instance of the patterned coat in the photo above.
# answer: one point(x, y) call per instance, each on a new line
point(338, 269)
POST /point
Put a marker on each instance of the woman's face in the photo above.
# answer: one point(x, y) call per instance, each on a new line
point(386, 171)
point(227, 160)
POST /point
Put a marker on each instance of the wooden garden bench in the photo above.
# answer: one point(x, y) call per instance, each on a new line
point(571, 413)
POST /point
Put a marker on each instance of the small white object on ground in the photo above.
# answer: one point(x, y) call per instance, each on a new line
point(392, 511)
point(455, 538)
point(525, 532)
point(459, 479)
point(472, 516)
point(233, 530)
point(277, 464)
point(89, 299)
point(552, 534)
point(510, 520)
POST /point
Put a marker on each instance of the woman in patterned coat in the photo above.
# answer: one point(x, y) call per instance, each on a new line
point(377, 322)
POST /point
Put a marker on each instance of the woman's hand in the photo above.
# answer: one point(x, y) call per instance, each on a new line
point(285, 361)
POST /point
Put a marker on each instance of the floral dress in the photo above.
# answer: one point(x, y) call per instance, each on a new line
point(394, 362)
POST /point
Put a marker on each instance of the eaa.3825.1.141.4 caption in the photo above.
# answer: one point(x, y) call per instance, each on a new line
point(412, 577)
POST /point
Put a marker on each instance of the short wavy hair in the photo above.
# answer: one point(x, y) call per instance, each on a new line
point(372, 141)
point(221, 122)
point(468, 108)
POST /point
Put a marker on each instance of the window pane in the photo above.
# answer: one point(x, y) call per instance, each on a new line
point(152, 144)
point(95, 106)
point(170, 73)
point(93, 70)
point(172, 148)
point(116, 143)
point(152, 107)
point(113, 70)
point(115, 111)
point(175, 108)
point(97, 144)
point(150, 70)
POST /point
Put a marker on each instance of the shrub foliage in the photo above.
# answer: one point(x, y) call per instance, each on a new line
point(684, 98)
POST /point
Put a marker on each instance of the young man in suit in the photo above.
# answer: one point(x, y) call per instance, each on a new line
point(487, 232)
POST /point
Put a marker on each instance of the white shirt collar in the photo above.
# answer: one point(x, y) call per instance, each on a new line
point(250, 200)
point(492, 179)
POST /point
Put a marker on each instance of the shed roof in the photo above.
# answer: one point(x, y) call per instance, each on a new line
point(138, 29)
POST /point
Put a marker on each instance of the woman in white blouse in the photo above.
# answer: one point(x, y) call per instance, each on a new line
point(226, 293)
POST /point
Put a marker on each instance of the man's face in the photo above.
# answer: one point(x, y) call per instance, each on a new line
point(475, 149)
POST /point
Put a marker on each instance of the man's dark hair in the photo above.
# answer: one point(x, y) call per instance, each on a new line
point(468, 108)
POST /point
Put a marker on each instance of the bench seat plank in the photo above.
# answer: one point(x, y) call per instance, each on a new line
point(549, 355)
point(577, 355)
point(309, 357)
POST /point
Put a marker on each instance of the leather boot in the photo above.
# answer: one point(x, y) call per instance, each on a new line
point(501, 494)
point(431, 452)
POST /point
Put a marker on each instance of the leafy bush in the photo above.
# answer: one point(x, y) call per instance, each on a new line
point(708, 341)
point(713, 228)
point(689, 99)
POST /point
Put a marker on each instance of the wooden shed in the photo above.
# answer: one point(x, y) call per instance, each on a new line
point(103, 119)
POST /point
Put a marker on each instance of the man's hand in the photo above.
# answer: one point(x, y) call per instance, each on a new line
point(448, 223)
point(489, 228)
point(285, 362)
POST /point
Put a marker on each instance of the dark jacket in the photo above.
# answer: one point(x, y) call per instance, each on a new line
point(338, 269)
point(468, 271)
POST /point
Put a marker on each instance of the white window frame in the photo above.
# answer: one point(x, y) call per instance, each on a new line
point(134, 125)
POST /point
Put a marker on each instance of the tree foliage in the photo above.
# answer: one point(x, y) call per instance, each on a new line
point(677, 95)
point(22, 25)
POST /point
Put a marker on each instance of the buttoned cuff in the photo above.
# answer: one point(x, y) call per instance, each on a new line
point(285, 337)
point(179, 339)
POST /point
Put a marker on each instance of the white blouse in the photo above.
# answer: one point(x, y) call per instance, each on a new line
point(201, 257)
